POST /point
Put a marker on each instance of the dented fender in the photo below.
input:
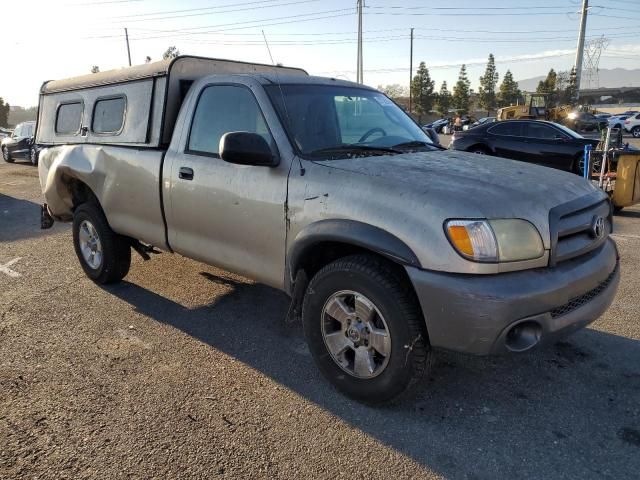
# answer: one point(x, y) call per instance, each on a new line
point(125, 180)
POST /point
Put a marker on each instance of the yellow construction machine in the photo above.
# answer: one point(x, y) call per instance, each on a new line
point(535, 108)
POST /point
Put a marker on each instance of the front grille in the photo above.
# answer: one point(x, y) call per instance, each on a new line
point(577, 302)
point(572, 227)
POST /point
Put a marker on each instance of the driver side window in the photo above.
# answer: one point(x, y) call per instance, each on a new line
point(222, 109)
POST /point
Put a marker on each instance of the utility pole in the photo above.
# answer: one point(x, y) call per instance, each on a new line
point(411, 72)
point(126, 36)
point(580, 51)
point(360, 76)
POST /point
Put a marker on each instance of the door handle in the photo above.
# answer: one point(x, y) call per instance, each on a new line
point(185, 173)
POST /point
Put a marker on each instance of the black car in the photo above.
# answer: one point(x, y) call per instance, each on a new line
point(584, 121)
point(533, 141)
point(21, 145)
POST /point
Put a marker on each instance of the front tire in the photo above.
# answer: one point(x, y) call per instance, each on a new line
point(365, 330)
point(6, 155)
point(104, 255)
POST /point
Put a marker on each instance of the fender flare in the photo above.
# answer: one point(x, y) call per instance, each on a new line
point(349, 232)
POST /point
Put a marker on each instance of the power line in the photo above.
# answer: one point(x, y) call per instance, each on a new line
point(244, 9)
point(187, 10)
point(243, 24)
point(458, 64)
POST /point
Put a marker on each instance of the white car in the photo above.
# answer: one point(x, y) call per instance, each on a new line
point(632, 125)
point(617, 121)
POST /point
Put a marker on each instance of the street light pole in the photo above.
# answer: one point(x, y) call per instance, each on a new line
point(580, 49)
point(359, 74)
point(411, 72)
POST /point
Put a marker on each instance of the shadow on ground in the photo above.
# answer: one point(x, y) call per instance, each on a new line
point(570, 411)
point(20, 220)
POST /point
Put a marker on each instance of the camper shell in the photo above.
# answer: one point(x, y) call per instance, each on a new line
point(135, 106)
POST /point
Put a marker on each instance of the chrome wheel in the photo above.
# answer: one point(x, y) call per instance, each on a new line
point(33, 156)
point(356, 334)
point(90, 245)
point(636, 132)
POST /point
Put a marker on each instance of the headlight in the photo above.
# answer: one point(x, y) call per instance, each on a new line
point(502, 240)
point(573, 115)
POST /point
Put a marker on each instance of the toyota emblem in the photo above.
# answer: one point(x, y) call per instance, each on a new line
point(597, 227)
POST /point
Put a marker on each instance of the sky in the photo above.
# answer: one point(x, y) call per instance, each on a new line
point(51, 39)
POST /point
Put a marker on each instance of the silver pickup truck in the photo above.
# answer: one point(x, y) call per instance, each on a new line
point(389, 246)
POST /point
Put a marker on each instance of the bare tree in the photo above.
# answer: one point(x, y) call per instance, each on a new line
point(171, 52)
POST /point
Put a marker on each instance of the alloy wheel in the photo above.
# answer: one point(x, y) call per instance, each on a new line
point(356, 334)
point(90, 245)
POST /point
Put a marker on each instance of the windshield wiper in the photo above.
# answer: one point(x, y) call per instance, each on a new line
point(354, 147)
point(417, 143)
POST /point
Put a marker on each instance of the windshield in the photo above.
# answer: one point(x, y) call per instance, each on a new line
point(568, 131)
point(338, 122)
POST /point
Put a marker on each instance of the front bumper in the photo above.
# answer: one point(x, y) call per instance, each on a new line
point(474, 313)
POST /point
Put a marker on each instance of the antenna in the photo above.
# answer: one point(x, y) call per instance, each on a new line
point(268, 49)
point(284, 102)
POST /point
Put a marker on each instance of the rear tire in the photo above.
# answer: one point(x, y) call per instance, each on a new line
point(478, 149)
point(33, 156)
point(104, 255)
point(6, 155)
point(636, 132)
point(343, 347)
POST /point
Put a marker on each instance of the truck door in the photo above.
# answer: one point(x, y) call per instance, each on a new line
point(225, 214)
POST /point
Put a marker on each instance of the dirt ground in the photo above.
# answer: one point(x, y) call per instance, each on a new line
point(187, 371)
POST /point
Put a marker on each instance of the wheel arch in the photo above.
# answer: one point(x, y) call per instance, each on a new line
point(481, 146)
point(322, 242)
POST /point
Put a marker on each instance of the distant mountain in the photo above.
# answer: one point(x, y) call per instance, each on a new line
point(613, 78)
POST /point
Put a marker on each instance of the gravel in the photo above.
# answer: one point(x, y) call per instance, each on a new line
point(187, 371)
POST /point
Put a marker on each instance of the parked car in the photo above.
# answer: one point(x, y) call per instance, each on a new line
point(438, 125)
point(617, 121)
point(603, 116)
point(584, 121)
point(388, 246)
point(21, 145)
point(632, 125)
point(534, 141)
point(630, 112)
point(5, 132)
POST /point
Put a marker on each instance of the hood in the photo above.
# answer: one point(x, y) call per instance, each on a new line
point(467, 184)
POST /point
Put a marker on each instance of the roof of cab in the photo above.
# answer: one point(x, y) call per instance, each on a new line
point(287, 79)
point(137, 72)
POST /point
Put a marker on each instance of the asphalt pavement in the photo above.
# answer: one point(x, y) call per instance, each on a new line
point(187, 371)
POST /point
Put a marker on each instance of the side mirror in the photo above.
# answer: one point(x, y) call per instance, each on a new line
point(247, 148)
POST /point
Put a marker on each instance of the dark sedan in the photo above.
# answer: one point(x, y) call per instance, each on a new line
point(20, 144)
point(534, 141)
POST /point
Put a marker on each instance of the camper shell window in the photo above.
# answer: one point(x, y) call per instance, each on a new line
point(69, 118)
point(108, 115)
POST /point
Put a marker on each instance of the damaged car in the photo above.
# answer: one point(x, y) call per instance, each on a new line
point(389, 246)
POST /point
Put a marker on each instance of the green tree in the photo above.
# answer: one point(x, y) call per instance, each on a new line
point(509, 92)
point(488, 82)
point(4, 113)
point(571, 90)
point(171, 52)
point(444, 100)
point(549, 83)
point(422, 90)
point(461, 92)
